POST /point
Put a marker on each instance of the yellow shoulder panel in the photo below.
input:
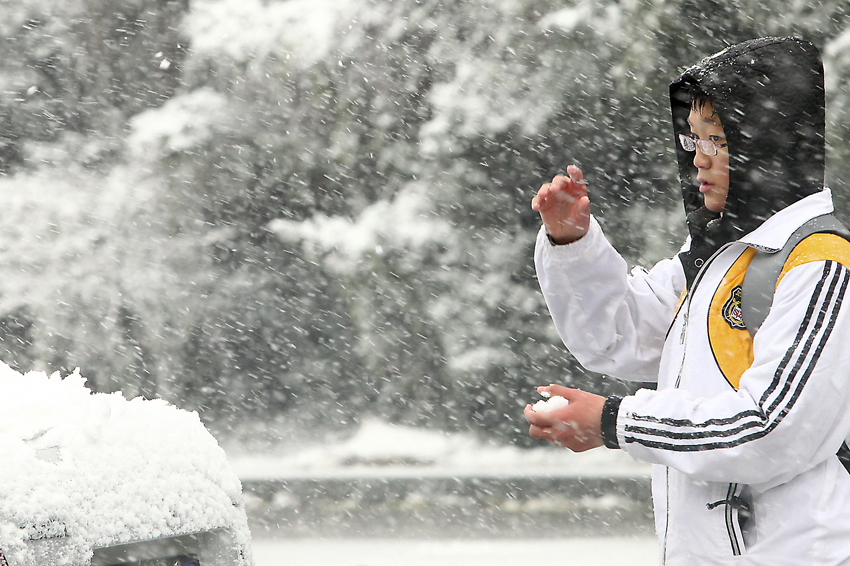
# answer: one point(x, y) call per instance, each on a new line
point(818, 247)
point(730, 341)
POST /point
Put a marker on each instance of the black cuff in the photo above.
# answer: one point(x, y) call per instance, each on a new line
point(608, 425)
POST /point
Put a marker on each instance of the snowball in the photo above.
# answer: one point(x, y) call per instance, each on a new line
point(550, 404)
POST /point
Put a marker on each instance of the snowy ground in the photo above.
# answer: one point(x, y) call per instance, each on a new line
point(382, 450)
point(480, 552)
point(379, 450)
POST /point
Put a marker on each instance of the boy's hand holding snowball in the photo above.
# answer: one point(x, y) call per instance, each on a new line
point(575, 425)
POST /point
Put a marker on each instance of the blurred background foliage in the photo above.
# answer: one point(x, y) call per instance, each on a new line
point(300, 213)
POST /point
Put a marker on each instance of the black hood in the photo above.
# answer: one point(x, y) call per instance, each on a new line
point(769, 96)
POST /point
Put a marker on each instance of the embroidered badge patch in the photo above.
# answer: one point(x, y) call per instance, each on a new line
point(733, 314)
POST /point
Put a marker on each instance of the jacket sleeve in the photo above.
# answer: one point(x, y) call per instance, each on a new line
point(613, 322)
point(790, 411)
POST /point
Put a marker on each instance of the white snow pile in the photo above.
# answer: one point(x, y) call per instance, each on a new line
point(585, 14)
point(379, 449)
point(95, 470)
point(252, 29)
point(183, 123)
point(404, 221)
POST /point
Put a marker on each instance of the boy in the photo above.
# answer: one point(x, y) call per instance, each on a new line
point(743, 430)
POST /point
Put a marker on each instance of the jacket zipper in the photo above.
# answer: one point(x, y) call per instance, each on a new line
point(667, 517)
point(686, 309)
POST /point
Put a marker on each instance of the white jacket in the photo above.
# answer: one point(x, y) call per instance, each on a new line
point(720, 429)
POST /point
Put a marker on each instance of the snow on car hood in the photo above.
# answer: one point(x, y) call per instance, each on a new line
point(96, 469)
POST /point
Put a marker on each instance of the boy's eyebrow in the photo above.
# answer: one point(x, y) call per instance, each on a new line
point(706, 120)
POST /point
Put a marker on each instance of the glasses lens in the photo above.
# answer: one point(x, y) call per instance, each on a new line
point(708, 147)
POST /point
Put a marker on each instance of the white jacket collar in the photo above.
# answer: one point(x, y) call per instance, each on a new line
point(772, 234)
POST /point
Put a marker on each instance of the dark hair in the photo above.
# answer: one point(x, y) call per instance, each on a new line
point(697, 97)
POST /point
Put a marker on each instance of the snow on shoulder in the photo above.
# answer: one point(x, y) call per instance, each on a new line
point(82, 471)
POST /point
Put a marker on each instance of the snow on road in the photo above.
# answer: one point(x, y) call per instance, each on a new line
point(379, 449)
point(478, 552)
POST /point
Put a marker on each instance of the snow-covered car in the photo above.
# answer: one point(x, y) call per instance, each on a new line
point(94, 479)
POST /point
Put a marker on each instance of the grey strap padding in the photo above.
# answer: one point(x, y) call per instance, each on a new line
point(763, 272)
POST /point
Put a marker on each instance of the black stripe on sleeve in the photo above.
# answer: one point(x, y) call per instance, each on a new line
point(768, 420)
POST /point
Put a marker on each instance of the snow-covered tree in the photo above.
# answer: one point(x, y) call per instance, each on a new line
point(320, 208)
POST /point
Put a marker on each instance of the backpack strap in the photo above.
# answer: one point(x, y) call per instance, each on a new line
point(763, 272)
point(761, 278)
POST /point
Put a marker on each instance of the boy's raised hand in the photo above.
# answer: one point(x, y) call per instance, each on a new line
point(564, 207)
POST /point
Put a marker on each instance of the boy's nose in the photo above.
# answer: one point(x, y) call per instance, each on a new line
point(701, 160)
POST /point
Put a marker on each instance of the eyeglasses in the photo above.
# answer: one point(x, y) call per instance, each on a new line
point(707, 147)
